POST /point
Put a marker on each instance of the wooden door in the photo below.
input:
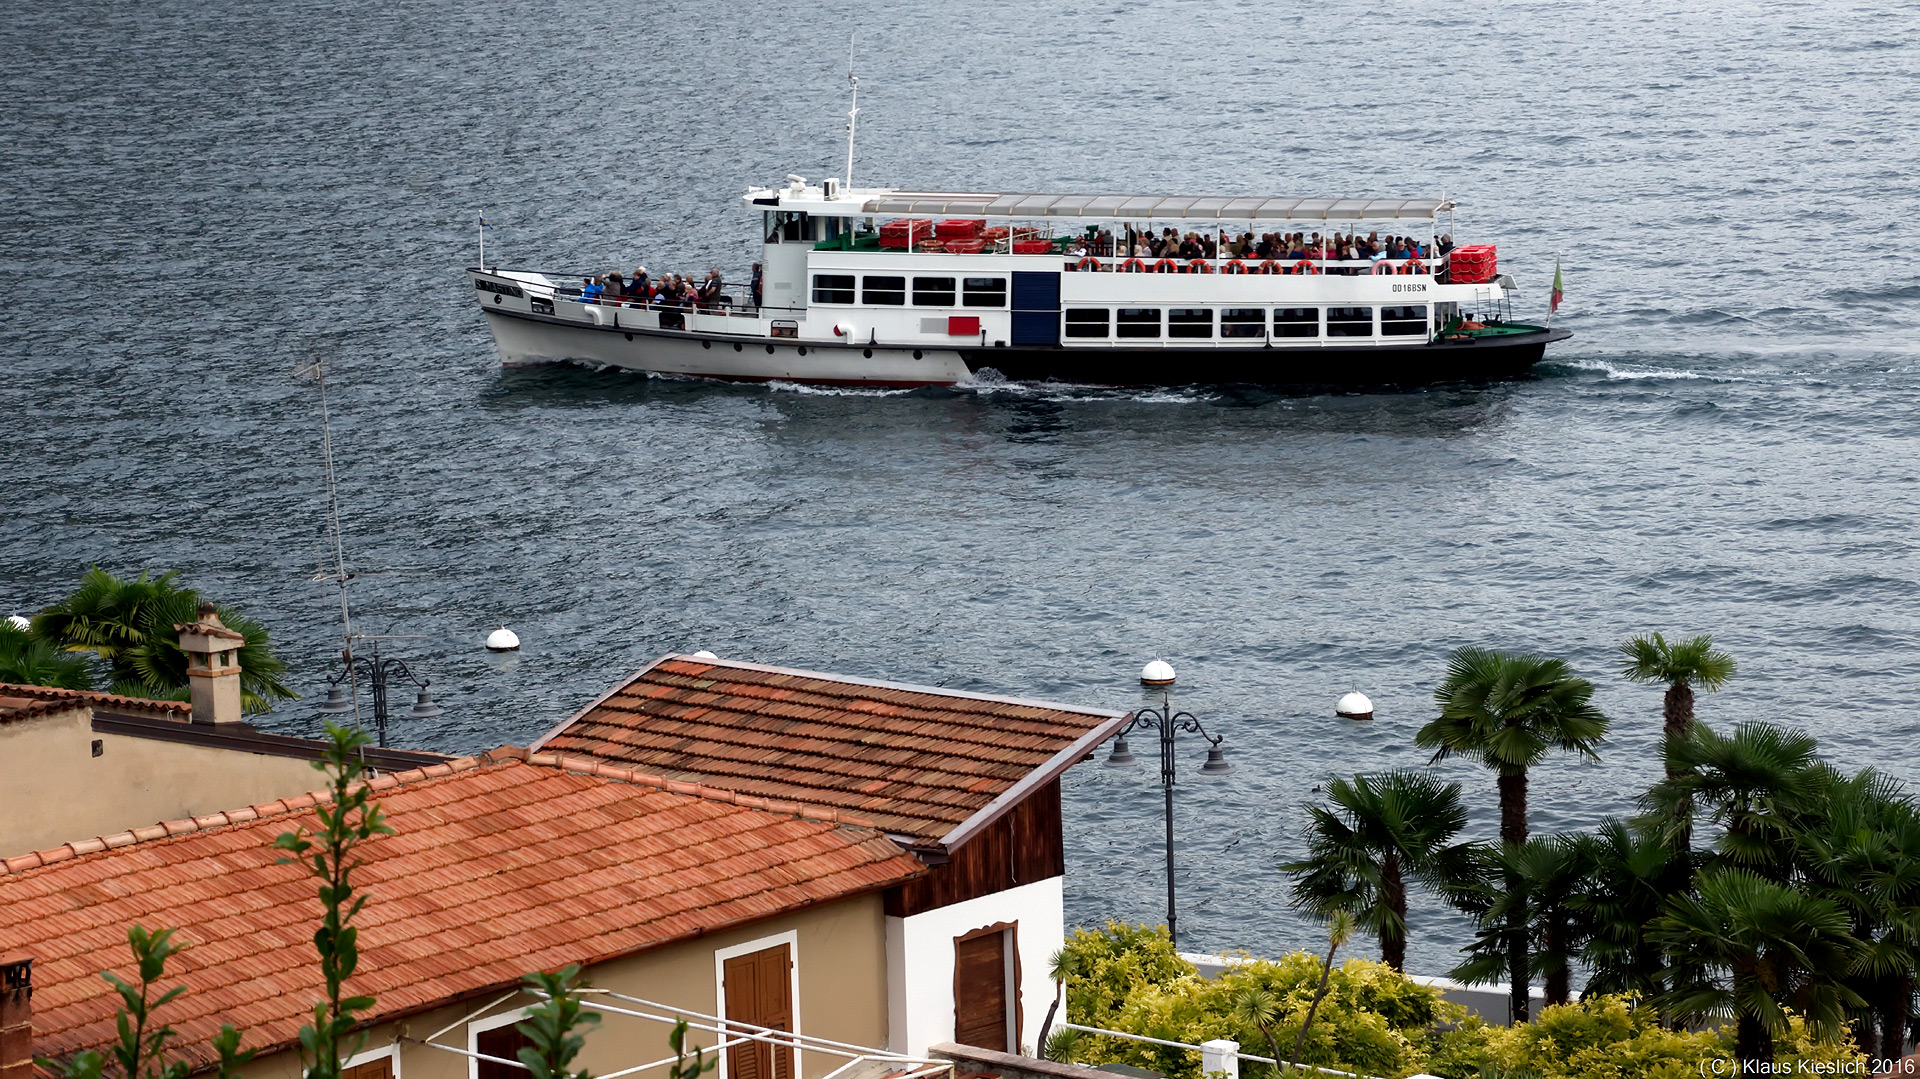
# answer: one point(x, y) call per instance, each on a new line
point(980, 992)
point(759, 989)
point(378, 1069)
point(505, 1043)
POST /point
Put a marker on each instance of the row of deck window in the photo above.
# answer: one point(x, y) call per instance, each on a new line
point(889, 291)
point(1207, 322)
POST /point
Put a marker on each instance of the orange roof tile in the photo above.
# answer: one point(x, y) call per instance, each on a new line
point(915, 760)
point(25, 702)
point(499, 867)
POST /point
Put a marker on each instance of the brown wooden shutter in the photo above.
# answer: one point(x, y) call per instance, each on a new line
point(759, 990)
point(381, 1069)
point(503, 1042)
point(980, 991)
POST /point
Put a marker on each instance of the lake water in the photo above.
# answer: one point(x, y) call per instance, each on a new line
point(200, 196)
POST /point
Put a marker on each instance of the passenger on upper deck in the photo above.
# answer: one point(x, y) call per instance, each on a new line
point(710, 289)
point(754, 285)
point(590, 290)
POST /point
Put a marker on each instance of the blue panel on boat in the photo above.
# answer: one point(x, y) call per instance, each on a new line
point(1036, 309)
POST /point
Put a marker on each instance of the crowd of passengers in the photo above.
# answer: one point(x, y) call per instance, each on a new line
point(670, 292)
point(1278, 246)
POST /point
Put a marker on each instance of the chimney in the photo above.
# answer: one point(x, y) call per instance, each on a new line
point(213, 668)
point(16, 1017)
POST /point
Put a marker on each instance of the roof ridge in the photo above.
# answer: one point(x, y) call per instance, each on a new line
point(279, 807)
point(595, 767)
point(57, 695)
point(876, 683)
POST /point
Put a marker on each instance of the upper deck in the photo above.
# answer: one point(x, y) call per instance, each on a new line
point(830, 200)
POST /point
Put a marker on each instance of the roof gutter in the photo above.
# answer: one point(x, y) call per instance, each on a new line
point(1032, 781)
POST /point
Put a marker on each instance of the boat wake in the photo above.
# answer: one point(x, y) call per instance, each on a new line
point(1630, 373)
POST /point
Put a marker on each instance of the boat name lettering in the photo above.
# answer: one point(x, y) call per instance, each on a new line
point(495, 286)
point(1414, 287)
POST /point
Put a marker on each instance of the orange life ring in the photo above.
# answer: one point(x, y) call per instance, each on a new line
point(1270, 267)
point(1199, 266)
point(1132, 266)
point(1089, 261)
point(1413, 265)
point(1234, 266)
point(1304, 266)
point(1380, 267)
point(1166, 266)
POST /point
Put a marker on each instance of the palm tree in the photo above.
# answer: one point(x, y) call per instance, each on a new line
point(1681, 666)
point(1749, 948)
point(1750, 781)
point(1508, 711)
point(29, 662)
point(1554, 874)
point(128, 625)
point(1339, 931)
point(1381, 830)
point(1859, 847)
point(1628, 890)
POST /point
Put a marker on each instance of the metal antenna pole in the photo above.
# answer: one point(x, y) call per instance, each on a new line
point(853, 114)
point(339, 574)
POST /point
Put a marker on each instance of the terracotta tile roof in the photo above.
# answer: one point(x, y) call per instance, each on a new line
point(25, 702)
point(498, 867)
point(926, 763)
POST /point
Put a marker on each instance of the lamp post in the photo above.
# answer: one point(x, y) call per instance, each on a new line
point(1166, 721)
point(377, 671)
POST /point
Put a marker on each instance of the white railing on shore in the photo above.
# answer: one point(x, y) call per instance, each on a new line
point(1220, 1056)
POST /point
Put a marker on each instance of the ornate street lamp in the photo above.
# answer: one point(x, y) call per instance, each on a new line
point(1163, 719)
point(377, 671)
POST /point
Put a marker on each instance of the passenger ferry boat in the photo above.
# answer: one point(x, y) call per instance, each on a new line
point(880, 287)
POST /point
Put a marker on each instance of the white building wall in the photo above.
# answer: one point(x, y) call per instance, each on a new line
point(920, 961)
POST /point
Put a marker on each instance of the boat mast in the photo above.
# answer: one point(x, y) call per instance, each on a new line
point(853, 84)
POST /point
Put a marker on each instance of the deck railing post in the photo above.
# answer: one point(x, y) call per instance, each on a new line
point(1220, 1056)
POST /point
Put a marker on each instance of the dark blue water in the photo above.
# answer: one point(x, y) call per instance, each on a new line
point(198, 197)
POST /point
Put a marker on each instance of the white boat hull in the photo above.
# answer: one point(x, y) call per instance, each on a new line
point(524, 339)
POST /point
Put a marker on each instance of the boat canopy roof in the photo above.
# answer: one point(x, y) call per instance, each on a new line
point(1113, 207)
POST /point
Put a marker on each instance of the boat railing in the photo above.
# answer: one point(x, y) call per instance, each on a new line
point(1329, 267)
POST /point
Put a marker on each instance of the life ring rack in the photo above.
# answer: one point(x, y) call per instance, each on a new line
point(1305, 266)
point(1131, 266)
point(1413, 266)
point(1165, 266)
point(1089, 261)
point(1233, 266)
point(1199, 266)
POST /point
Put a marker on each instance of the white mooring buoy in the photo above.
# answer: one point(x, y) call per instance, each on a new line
point(1354, 706)
point(503, 640)
point(704, 654)
point(1157, 673)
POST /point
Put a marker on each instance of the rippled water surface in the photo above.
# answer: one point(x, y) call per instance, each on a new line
point(199, 196)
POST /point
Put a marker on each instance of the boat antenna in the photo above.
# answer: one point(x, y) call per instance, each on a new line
point(853, 114)
point(317, 372)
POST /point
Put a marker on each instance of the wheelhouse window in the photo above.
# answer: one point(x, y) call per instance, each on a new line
point(1243, 321)
point(1349, 322)
point(933, 292)
point(1137, 322)
point(1410, 321)
point(1296, 322)
point(832, 288)
point(1190, 322)
point(888, 291)
point(983, 292)
point(1088, 322)
point(786, 226)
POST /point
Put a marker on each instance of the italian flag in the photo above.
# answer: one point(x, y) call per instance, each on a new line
point(1559, 287)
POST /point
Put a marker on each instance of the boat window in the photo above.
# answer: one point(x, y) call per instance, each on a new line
point(1349, 322)
point(832, 288)
point(793, 226)
point(933, 292)
point(1190, 322)
point(984, 292)
point(1243, 321)
point(891, 291)
point(1137, 322)
point(1296, 322)
point(1404, 321)
point(1087, 322)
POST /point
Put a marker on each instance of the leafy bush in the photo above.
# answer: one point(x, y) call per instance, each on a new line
point(1606, 1037)
point(1373, 1019)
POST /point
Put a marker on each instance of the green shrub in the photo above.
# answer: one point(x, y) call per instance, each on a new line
point(1373, 1019)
